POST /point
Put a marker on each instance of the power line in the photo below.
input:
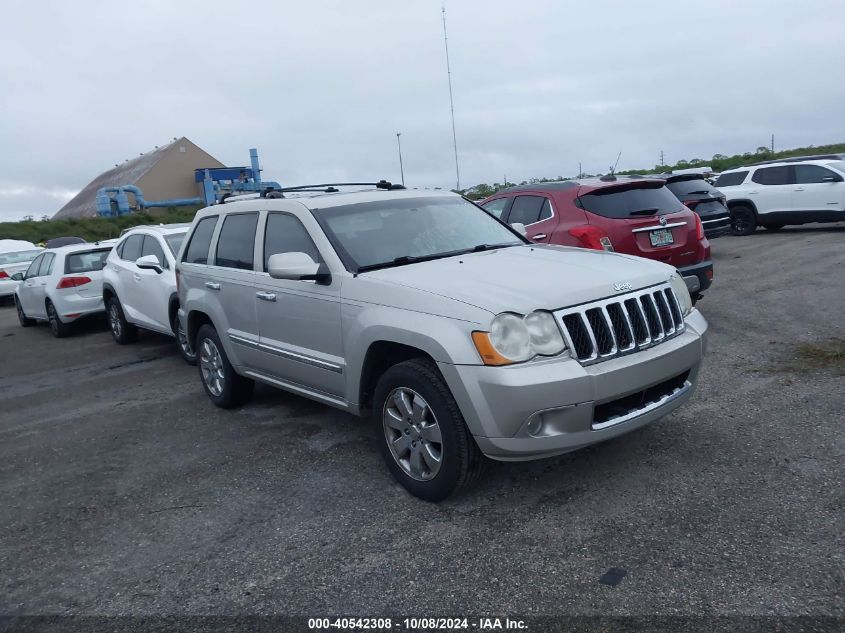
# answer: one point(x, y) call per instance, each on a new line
point(451, 102)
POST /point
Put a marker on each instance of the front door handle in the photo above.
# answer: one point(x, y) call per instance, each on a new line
point(798, 189)
point(539, 236)
point(137, 277)
point(265, 296)
point(212, 285)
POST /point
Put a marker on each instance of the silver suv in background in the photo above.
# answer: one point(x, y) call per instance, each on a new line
point(459, 337)
point(139, 285)
point(773, 193)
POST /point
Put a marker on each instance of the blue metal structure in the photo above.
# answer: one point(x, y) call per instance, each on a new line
point(216, 182)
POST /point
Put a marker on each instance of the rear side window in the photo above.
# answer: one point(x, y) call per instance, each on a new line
point(530, 209)
point(46, 266)
point(640, 201)
point(197, 251)
point(691, 187)
point(285, 234)
point(810, 174)
point(496, 207)
point(131, 247)
point(772, 176)
point(152, 247)
point(32, 271)
point(236, 244)
point(732, 179)
point(86, 261)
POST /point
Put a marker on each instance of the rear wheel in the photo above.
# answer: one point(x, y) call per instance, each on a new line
point(59, 329)
point(24, 320)
point(222, 384)
point(186, 351)
point(421, 433)
point(122, 331)
point(743, 220)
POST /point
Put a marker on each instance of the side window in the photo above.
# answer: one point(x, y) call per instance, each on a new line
point(236, 243)
point(32, 271)
point(119, 249)
point(46, 266)
point(132, 247)
point(197, 251)
point(496, 207)
point(772, 176)
point(152, 247)
point(546, 210)
point(732, 179)
point(526, 209)
point(809, 174)
point(285, 234)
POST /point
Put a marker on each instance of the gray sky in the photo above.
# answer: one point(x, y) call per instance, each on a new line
point(322, 87)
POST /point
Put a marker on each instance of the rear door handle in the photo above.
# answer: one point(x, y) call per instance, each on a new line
point(539, 236)
point(752, 192)
point(798, 189)
point(265, 296)
point(212, 285)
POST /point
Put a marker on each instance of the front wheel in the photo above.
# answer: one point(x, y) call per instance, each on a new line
point(59, 329)
point(743, 220)
point(222, 384)
point(122, 331)
point(421, 433)
point(24, 320)
point(186, 350)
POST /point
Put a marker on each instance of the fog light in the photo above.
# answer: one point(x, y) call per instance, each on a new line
point(535, 425)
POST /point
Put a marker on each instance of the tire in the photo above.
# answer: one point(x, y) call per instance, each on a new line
point(182, 343)
point(773, 227)
point(402, 432)
point(743, 220)
point(24, 320)
point(122, 330)
point(59, 329)
point(222, 384)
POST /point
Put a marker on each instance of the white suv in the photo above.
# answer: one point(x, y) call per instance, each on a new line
point(792, 191)
point(139, 285)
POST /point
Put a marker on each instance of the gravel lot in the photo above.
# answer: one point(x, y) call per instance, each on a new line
point(125, 491)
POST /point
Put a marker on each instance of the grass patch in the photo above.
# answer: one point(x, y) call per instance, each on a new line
point(828, 355)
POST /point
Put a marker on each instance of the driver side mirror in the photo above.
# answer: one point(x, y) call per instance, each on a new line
point(149, 262)
point(297, 266)
point(519, 227)
point(17, 277)
point(831, 179)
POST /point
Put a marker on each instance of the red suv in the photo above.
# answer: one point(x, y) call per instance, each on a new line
point(633, 215)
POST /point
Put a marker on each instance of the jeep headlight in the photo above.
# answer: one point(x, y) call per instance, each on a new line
point(514, 338)
point(682, 293)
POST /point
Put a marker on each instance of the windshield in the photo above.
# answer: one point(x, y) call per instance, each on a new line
point(632, 202)
point(377, 234)
point(19, 257)
point(691, 186)
point(174, 241)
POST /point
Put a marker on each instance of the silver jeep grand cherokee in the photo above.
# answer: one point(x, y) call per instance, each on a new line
point(460, 338)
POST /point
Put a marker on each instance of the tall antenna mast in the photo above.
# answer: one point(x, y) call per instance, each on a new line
point(451, 102)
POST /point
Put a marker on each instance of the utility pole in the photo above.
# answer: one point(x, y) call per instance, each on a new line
point(773, 143)
point(580, 171)
point(401, 169)
point(451, 103)
point(661, 158)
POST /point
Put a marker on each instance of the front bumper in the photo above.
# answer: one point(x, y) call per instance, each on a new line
point(571, 401)
point(698, 277)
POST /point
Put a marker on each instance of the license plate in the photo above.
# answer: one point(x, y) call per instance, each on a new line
point(661, 237)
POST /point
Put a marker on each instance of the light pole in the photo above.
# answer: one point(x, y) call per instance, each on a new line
point(401, 169)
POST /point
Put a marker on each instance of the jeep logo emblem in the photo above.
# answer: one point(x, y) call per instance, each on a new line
point(621, 287)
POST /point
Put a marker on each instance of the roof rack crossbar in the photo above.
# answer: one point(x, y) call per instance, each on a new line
point(381, 184)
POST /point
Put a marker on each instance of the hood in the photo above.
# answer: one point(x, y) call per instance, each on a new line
point(526, 278)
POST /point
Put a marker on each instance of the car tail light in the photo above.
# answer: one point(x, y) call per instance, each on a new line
point(4, 274)
point(699, 228)
point(72, 282)
point(592, 237)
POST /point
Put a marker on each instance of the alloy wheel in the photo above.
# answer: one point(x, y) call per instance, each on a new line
point(413, 434)
point(211, 365)
point(53, 318)
point(114, 320)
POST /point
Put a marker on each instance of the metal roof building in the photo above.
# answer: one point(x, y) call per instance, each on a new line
point(166, 172)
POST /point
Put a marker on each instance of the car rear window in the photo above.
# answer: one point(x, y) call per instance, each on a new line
point(732, 179)
point(86, 261)
point(19, 257)
point(613, 202)
point(691, 186)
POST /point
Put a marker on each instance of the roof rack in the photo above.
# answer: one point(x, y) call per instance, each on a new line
point(328, 187)
point(797, 159)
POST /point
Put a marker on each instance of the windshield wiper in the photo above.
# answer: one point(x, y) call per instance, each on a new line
point(405, 260)
point(695, 193)
point(652, 211)
point(490, 247)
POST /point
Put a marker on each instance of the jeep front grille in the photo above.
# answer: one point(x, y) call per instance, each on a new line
point(605, 329)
